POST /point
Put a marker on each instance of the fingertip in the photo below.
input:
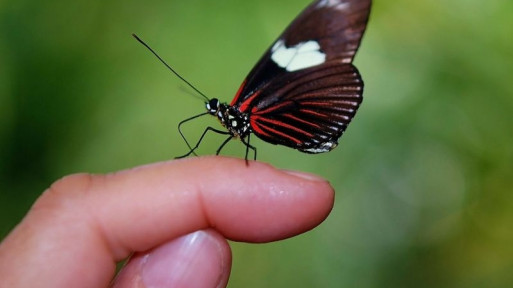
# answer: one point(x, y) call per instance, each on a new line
point(261, 203)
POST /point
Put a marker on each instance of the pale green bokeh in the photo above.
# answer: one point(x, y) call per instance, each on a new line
point(424, 174)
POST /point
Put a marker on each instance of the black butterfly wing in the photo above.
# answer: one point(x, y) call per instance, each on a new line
point(309, 109)
point(304, 91)
point(337, 26)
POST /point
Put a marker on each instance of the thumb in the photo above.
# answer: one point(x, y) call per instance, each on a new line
point(199, 259)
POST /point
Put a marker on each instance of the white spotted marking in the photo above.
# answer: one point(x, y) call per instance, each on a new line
point(337, 4)
point(209, 108)
point(325, 147)
point(303, 55)
point(234, 123)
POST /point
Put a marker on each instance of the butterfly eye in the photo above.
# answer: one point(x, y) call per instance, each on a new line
point(213, 106)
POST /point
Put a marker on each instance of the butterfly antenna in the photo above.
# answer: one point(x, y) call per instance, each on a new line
point(169, 67)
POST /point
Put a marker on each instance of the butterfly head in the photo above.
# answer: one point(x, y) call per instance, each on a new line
point(213, 106)
point(218, 109)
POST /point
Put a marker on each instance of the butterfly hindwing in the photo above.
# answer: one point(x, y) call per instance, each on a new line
point(309, 109)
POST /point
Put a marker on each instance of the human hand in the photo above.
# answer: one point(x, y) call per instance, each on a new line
point(172, 217)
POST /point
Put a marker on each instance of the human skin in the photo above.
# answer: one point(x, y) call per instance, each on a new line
point(172, 219)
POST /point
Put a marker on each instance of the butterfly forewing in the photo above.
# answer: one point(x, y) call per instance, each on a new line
point(304, 91)
point(337, 26)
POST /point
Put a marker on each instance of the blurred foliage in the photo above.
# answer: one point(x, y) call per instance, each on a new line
point(423, 175)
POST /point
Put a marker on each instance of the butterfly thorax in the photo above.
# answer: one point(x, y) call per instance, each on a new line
point(231, 118)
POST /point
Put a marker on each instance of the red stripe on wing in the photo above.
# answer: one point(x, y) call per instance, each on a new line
point(272, 108)
point(244, 106)
point(237, 96)
point(288, 115)
point(281, 124)
point(328, 103)
point(258, 128)
point(315, 113)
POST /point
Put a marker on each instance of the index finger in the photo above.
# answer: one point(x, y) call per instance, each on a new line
point(110, 216)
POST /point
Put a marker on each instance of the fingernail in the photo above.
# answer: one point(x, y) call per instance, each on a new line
point(306, 176)
point(194, 260)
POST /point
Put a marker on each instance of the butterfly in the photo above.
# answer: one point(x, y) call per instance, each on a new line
point(304, 91)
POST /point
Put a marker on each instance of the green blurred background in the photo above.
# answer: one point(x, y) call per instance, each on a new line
point(423, 175)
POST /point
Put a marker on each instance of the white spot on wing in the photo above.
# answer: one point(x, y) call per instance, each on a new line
point(336, 4)
point(324, 147)
point(303, 55)
point(277, 45)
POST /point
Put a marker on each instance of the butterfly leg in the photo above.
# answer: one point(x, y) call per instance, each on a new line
point(249, 146)
point(201, 138)
point(224, 143)
point(183, 137)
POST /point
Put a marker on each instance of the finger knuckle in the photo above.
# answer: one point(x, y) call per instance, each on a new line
point(65, 190)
